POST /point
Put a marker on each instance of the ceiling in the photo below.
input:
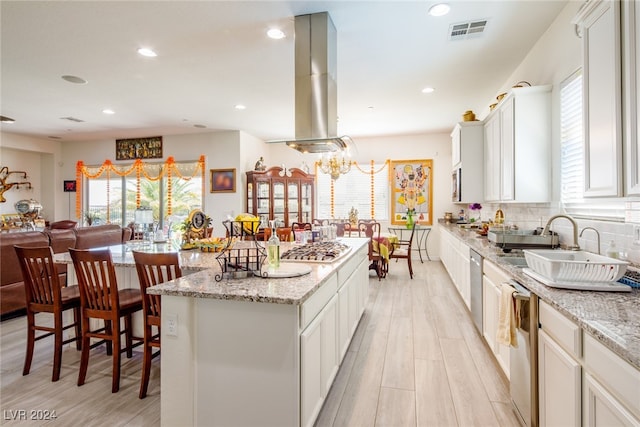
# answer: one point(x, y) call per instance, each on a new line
point(214, 55)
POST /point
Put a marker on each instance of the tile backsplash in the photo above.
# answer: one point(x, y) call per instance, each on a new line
point(532, 215)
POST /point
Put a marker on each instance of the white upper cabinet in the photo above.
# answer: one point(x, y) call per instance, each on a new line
point(518, 147)
point(631, 94)
point(599, 24)
point(467, 154)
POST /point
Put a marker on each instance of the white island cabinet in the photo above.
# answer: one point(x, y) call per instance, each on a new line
point(257, 351)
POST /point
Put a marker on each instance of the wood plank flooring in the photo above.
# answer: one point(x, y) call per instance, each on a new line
point(415, 360)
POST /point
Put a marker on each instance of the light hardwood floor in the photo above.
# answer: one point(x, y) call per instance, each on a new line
point(415, 360)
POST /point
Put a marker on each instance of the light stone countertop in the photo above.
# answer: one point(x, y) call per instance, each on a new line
point(200, 270)
point(611, 317)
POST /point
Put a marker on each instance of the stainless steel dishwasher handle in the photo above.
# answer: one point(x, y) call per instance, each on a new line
point(521, 293)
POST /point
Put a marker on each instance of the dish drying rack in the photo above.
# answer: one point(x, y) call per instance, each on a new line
point(243, 255)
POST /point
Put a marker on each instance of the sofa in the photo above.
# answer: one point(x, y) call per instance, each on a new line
point(12, 296)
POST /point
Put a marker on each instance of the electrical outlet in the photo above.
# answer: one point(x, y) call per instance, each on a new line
point(171, 324)
point(636, 234)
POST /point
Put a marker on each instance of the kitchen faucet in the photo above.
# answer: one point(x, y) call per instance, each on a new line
point(597, 234)
point(575, 246)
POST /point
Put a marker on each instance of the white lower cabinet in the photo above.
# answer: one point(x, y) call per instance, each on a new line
point(602, 409)
point(491, 292)
point(325, 340)
point(559, 382)
point(580, 381)
point(310, 371)
point(455, 257)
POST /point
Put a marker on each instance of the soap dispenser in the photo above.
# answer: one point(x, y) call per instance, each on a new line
point(612, 250)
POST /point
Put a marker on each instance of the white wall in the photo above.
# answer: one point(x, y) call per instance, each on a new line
point(40, 158)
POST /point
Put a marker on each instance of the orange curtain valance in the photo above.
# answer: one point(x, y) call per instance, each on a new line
point(140, 169)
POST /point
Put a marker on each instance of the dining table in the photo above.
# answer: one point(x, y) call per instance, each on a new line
point(420, 238)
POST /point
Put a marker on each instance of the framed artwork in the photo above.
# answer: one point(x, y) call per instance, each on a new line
point(411, 191)
point(69, 186)
point(139, 148)
point(223, 180)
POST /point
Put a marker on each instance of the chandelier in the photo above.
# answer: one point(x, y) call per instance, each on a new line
point(334, 164)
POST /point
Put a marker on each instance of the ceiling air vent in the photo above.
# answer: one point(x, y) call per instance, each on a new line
point(467, 30)
point(72, 119)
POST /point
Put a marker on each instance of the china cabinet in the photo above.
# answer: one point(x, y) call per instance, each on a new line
point(280, 194)
point(517, 147)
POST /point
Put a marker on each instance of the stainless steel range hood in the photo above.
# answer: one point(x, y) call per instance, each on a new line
point(316, 117)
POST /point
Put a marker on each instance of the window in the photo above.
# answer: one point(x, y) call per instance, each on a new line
point(111, 196)
point(572, 158)
point(354, 189)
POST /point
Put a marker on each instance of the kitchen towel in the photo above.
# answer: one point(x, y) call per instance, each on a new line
point(507, 317)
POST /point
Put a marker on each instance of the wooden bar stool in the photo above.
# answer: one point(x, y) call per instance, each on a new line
point(45, 294)
point(101, 299)
point(153, 269)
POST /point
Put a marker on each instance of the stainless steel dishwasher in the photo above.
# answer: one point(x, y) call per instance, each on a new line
point(475, 295)
point(523, 360)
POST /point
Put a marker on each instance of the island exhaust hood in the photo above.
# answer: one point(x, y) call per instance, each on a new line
point(316, 117)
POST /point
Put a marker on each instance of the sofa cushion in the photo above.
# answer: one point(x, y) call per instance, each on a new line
point(98, 236)
point(12, 296)
point(9, 267)
point(61, 240)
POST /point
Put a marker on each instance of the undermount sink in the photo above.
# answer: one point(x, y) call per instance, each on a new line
point(574, 266)
point(516, 261)
point(519, 239)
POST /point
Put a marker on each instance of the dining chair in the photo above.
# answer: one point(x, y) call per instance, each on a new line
point(100, 298)
point(153, 269)
point(371, 229)
point(402, 249)
point(300, 227)
point(46, 294)
point(340, 228)
point(284, 234)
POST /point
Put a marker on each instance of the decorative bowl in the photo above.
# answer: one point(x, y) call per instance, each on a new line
point(468, 116)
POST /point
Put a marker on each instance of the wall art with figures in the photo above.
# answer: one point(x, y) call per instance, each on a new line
point(411, 191)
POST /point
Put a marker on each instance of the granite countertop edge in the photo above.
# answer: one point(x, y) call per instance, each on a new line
point(291, 291)
point(613, 318)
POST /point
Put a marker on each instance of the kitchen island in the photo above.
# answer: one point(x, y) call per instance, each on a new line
point(257, 351)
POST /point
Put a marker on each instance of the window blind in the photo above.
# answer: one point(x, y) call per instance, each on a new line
point(572, 158)
point(353, 190)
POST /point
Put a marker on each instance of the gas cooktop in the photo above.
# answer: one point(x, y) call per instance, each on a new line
point(325, 252)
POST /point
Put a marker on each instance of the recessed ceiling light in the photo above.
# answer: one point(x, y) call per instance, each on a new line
point(275, 33)
point(240, 107)
point(145, 51)
point(4, 119)
point(108, 111)
point(74, 79)
point(428, 90)
point(439, 9)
